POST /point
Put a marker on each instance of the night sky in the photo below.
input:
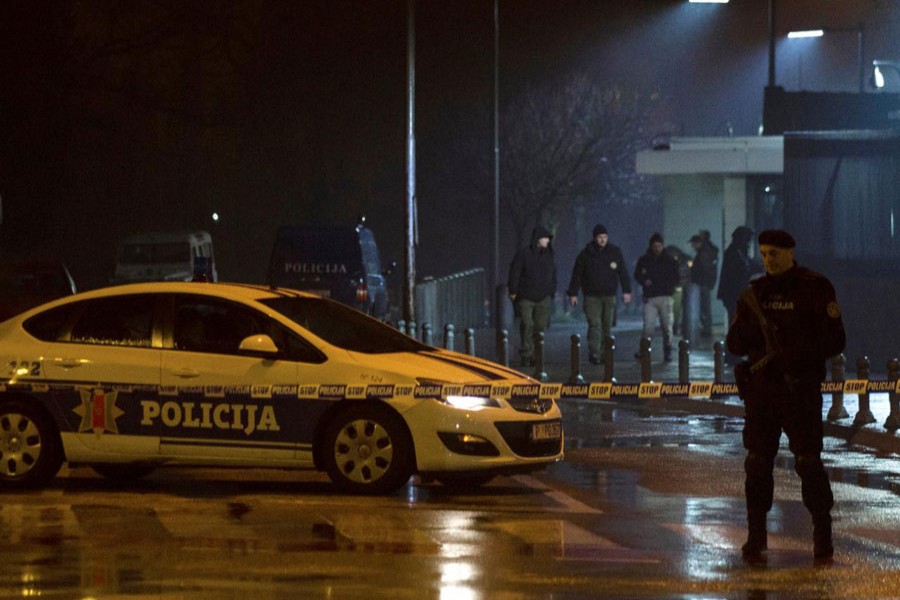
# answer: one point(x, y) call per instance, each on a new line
point(120, 117)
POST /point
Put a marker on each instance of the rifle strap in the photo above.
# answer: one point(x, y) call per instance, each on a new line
point(753, 302)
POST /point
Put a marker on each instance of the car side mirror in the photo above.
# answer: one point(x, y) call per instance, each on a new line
point(258, 344)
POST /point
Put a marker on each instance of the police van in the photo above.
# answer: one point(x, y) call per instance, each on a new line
point(165, 256)
point(338, 262)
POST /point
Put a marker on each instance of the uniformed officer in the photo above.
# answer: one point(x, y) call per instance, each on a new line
point(787, 323)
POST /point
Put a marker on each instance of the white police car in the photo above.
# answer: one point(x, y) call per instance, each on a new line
point(130, 378)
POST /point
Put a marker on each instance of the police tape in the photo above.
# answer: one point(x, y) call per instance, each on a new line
point(557, 391)
point(503, 389)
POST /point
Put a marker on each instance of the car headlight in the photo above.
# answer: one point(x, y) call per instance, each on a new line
point(471, 402)
point(460, 401)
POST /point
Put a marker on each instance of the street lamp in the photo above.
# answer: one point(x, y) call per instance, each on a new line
point(860, 44)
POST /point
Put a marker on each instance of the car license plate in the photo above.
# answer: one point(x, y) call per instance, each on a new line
point(546, 431)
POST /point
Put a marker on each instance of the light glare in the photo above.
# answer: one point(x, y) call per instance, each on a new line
point(809, 33)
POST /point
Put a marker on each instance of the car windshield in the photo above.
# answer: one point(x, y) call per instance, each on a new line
point(342, 326)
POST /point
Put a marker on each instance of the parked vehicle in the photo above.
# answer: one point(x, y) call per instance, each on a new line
point(339, 262)
point(165, 256)
point(130, 378)
point(25, 283)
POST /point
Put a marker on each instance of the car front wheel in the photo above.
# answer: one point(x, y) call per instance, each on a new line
point(30, 453)
point(368, 450)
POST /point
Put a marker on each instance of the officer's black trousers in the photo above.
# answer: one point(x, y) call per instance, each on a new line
point(798, 412)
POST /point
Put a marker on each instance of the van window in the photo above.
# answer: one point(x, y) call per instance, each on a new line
point(163, 252)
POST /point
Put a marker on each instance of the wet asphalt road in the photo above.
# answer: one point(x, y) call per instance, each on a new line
point(645, 505)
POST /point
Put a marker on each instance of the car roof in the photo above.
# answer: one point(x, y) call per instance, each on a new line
point(233, 291)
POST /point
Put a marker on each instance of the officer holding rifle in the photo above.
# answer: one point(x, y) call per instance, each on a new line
point(788, 324)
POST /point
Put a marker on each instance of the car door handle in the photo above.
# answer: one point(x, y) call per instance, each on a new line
point(186, 373)
point(70, 363)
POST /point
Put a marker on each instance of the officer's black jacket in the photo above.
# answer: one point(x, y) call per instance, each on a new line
point(599, 271)
point(661, 270)
point(801, 308)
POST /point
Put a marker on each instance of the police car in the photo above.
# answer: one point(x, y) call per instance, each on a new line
point(129, 378)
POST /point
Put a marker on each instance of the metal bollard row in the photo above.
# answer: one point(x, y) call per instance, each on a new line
point(864, 415)
point(837, 410)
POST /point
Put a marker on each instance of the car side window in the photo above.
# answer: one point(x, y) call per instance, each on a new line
point(218, 327)
point(120, 321)
point(50, 326)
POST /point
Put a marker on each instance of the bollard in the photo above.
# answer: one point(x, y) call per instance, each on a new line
point(503, 347)
point(684, 357)
point(609, 355)
point(401, 326)
point(470, 341)
point(448, 336)
point(646, 368)
point(575, 376)
point(864, 415)
point(837, 410)
point(427, 334)
point(539, 372)
point(719, 361)
point(892, 423)
point(411, 329)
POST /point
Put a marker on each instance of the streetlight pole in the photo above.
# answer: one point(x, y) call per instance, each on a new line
point(771, 43)
point(495, 270)
point(409, 266)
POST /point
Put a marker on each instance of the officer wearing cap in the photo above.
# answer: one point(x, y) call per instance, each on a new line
point(788, 324)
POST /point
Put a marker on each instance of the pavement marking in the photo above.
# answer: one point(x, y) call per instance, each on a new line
point(565, 541)
point(378, 531)
point(566, 503)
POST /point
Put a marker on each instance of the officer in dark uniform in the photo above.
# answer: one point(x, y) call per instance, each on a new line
point(787, 323)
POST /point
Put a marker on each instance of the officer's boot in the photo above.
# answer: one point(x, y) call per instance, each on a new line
point(756, 536)
point(823, 549)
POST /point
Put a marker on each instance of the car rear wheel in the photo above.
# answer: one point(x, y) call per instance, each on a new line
point(122, 471)
point(368, 450)
point(30, 452)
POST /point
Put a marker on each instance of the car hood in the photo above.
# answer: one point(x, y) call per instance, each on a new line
point(436, 364)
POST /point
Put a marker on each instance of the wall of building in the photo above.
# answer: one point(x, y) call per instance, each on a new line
point(692, 203)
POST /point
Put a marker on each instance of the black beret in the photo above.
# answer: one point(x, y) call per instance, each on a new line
point(776, 237)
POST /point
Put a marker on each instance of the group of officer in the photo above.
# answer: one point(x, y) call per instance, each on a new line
point(786, 324)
